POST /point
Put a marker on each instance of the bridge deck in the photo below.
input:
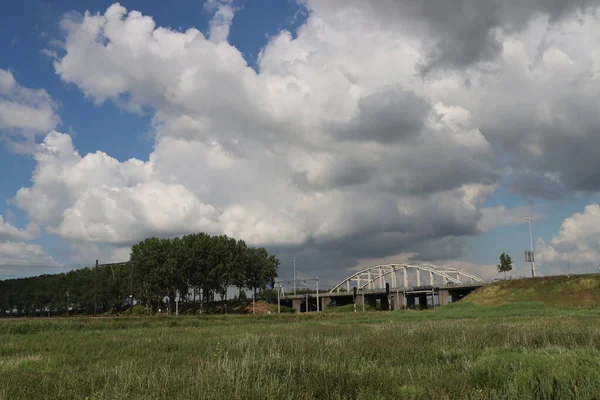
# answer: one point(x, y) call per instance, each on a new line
point(379, 292)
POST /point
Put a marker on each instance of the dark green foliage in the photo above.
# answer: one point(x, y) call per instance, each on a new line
point(139, 309)
point(505, 264)
point(199, 267)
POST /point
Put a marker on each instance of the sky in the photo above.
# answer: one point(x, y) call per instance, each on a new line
point(341, 132)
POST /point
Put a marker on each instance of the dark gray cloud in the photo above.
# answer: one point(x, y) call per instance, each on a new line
point(388, 116)
point(459, 33)
point(467, 29)
point(342, 172)
point(435, 169)
point(571, 147)
point(333, 264)
point(534, 185)
point(567, 143)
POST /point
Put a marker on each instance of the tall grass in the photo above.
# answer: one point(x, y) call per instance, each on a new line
point(528, 351)
point(574, 292)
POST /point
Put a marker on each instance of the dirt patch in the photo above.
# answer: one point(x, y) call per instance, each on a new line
point(262, 308)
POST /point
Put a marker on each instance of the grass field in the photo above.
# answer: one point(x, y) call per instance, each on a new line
point(524, 350)
point(574, 292)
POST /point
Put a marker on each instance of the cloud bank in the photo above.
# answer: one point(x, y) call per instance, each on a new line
point(380, 127)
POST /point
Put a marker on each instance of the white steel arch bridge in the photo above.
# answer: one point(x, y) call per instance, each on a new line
point(399, 275)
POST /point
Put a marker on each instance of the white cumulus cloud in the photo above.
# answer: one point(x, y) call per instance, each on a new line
point(8, 231)
point(577, 241)
point(24, 112)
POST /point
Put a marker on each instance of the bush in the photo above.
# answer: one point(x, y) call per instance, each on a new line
point(268, 294)
point(139, 309)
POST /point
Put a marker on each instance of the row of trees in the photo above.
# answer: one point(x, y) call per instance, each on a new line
point(193, 268)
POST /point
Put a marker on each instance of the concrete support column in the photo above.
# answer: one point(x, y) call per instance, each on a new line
point(443, 296)
point(398, 303)
point(297, 304)
point(325, 303)
point(359, 302)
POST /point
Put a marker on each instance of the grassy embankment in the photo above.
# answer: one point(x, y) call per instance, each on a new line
point(512, 351)
point(574, 292)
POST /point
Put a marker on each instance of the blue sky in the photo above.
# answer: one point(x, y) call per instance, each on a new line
point(297, 153)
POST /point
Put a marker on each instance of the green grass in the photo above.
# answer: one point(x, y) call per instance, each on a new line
point(348, 308)
point(462, 351)
point(577, 291)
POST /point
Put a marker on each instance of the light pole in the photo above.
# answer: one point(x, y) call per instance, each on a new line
point(278, 298)
point(318, 309)
point(294, 275)
point(532, 253)
point(67, 303)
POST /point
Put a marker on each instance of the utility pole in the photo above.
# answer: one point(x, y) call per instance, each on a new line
point(532, 253)
point(318, 294)
point(96, 291)
point(294, 275)
point(67, 303)
point(278, 298)
point(131, 286)
point(363, 296)
point(307, 309)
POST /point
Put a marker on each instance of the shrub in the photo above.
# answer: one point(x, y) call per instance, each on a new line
point(139, 309)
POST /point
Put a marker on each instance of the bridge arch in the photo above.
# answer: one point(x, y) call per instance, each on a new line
point(369, 277)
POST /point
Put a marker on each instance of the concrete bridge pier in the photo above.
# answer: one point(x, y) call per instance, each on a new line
point(359, 302)
point(444, 296)
point(324, 303)
point(297, 304)
point(398, 301)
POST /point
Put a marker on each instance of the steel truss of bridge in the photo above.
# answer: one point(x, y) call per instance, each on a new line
point(391, 287)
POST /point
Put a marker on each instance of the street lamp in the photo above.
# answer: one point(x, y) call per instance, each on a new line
point(294, 275)
point(532, 259)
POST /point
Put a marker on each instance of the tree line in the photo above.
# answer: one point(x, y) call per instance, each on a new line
point(193, 268)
